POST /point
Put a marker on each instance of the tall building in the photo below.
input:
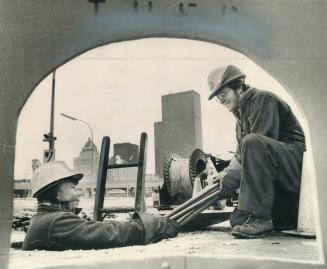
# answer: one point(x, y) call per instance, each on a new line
point(83, 163)
point(180, 130)
point(126, 152)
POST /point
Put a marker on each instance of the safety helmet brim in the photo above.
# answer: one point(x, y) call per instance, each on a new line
point(222, 77)
point(50, 174)
point(221, 87)
point(74, 178)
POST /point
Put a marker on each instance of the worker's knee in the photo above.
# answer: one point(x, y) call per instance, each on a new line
point(252, 141)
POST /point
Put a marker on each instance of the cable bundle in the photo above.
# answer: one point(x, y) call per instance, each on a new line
point(194, 206)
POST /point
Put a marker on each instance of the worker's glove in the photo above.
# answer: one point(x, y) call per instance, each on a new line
point(173, 228)
point(157, 228)
point(226, 186)
point(219, 177)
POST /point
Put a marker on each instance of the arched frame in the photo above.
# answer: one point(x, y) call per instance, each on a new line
point(285, 38)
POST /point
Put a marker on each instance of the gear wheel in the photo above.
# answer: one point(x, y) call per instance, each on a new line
point(166, 176)
point(197, 163)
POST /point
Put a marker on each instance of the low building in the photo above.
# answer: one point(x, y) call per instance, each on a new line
point(22, 188)
point(119, 179)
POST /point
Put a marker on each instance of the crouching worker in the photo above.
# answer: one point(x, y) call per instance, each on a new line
point(56, 225)
point(268, 162)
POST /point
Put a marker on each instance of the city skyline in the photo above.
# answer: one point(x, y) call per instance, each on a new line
point(117, 88)
point(122, 178)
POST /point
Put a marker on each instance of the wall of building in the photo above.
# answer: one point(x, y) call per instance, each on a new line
point(127, 151)
point(83, 164)
point(286, 38)
point(22, 188)
point(180, 130)
point(87, 163)
point(116, 178)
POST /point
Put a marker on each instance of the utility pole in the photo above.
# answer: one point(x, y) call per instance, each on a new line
point(49, 155)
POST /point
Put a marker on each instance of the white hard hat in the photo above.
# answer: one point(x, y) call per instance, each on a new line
point(222, 76)
point(50, 174)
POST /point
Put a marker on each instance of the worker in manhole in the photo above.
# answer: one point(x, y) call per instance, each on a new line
point(268, 160)
point(56, 226)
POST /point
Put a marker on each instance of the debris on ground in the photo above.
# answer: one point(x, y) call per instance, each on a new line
point(21, 221)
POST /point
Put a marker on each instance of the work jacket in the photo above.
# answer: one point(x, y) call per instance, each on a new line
point(55, 229)
point(262, 112)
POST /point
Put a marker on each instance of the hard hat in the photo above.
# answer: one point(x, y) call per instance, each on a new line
point(50, 174)
point(221, 77)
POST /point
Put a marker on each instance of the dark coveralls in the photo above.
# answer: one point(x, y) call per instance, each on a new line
point(55, 229)
point(268, 162)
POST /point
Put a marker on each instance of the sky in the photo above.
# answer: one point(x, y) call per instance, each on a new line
point(117, 89)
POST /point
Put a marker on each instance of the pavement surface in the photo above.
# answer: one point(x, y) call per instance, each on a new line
point(214, 241)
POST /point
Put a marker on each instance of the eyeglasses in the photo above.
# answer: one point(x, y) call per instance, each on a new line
point(222, 94)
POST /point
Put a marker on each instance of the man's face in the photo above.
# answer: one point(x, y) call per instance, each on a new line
point(67, 192)
point(229, 98)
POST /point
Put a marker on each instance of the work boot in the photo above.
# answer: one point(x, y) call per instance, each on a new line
point(254, 227)
point(238, 217)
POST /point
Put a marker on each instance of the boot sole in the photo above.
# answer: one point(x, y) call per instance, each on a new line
point(249, 236)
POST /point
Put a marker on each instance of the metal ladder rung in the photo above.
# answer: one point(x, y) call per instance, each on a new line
point(139, 204)
point(114, 166)
point(117, 209)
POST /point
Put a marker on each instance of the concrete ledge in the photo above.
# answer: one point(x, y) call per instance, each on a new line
point(199, 249)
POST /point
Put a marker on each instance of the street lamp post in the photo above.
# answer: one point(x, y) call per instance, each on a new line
point(88, 125)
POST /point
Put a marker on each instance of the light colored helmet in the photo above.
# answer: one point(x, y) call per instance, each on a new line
point(50, 174)
point(222, 76)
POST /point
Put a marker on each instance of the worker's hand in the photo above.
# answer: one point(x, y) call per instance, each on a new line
point(173, 228)
point(156, 227)
point(219, 177)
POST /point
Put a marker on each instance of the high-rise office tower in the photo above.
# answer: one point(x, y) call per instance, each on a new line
point(87, 162)
point(180, 130)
